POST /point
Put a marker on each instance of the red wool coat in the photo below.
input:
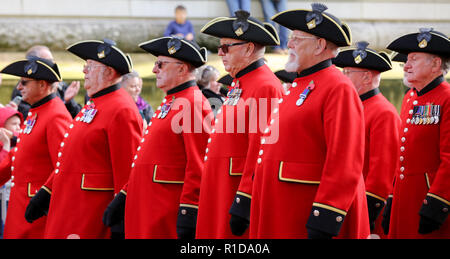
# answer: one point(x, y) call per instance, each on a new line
point(232, 150)
point(312, 175)
point(31, 162)
point(93, 163)
point(168, 164)
point(382, 124)
point(423, 172)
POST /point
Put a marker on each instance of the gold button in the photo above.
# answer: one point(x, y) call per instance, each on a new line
point(339, 219)
point(316, 213)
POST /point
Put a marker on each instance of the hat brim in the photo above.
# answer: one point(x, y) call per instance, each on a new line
point(115, 59)
point(187, 52)
point(438, 45)
point(222, 27)
point(328, 29)
point(373, 60)
point(399, 57)
point(43, 71)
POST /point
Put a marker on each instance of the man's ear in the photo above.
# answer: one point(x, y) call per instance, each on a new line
point(249, 49)
point(321, 45)
point(436, 64)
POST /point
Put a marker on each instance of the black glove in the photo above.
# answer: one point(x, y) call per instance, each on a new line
point(427, 225)
point(38, 206)
point(186, 222)
point(375, 206)
point(387, 216)
point(317, 234)
point(118, 231)
point(115, 212)
point(238, 225)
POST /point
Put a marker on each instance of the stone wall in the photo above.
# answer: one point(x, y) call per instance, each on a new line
point(59, 23)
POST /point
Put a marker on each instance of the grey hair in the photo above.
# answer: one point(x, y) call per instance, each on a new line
point(132, 74)
point(445, 66)
point(206, 74)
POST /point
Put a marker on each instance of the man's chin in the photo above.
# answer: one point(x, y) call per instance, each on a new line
point(290, 67)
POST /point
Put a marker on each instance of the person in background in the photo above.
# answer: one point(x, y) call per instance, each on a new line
point(270, 8)
point(63, 90)
point(207, 82)
point(180, 27)
point(132, 83)
point(10, 122)
point(382, 124)
point(235, 5)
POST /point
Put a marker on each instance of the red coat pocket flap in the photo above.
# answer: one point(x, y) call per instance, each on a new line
point(300, 172)
point(168, 174)
point(97, 182)
point(236, 166)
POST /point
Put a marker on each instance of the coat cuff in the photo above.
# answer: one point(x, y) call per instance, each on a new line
point(187, 216)
point(326, 218)
point(375, 205)
point(241, 205)
point(435, 208)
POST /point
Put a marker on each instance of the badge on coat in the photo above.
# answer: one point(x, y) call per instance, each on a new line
point(89, 112)
point(305, 93)
point(29, 123)
point(166, 108)
point(234, 94)
point(426, 114)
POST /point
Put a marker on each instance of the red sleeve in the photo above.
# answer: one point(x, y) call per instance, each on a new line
point(259, 116)
point(124, 133)
point(384, 147)
point(344, 135)
point(195, 141)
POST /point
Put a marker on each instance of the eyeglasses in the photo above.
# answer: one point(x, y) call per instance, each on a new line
point(224, 47)
point(90, 67)
point(159, 63)
point(348, 71)
point(25, 82)
point(297, 38)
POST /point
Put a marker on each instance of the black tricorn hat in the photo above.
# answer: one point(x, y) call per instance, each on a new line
point(426, 40)
point(226, 80)
point(399, 57)
point(104, 52)
point(316, 22)
point(363, 57)
point(34, 67)
point(178, 48)
point(287, 77)
point(242, 27)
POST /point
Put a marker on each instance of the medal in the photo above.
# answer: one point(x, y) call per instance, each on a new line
point(234, 94)
point(165, 109)
point(437, 113)
point(29, 123)
point(305, 93)
point(89, 112)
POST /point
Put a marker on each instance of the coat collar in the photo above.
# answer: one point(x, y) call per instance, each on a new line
point(106, 91)
point(369, 94)
point(253, 66)
point(181, 87)
point(43, 100)
point(317, 67)
point(433, 84)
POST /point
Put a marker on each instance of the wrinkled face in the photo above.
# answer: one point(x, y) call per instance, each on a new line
point(13, 124)
point(356, 75)
point(133, 86)
point(231, 55)
point(417, 69)
point(301, 46)
point(30, 89)
point(93, 76)
point(166, 70)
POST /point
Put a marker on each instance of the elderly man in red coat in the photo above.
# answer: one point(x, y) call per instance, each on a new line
point(93, 161)
point(421, 196)
point(382, 123)
point(33, 159)
point(226, 190)
point(162, 192)
point(309, 184)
